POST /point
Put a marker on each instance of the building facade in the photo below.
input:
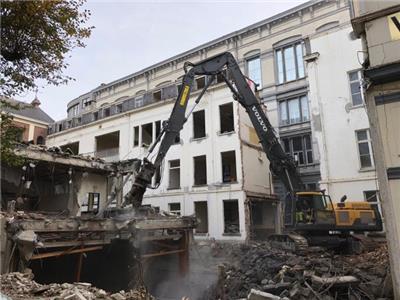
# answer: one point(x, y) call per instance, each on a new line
point(377, 24)
point(32, 120)
point(310, 88)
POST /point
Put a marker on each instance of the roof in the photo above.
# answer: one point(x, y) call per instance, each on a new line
point(221, 39)
point(27, 110)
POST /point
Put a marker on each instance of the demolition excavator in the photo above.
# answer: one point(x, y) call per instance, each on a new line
point(311, 218)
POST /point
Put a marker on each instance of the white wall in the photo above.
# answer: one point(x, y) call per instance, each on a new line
point(334, 120)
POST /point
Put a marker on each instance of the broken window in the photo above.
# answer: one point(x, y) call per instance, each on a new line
point(135, 136)
point(199, 124)
point(201, 82)
point(91, 203)
point(175, 208)
point(158, 128)
point(228, 166)
point(72, 148)
point(107, 146)
point(147, 134)
point(200, 170)
point(174, 174)
point(157, 95)
point(201, 212)
point(226, 118)
point(231, 216)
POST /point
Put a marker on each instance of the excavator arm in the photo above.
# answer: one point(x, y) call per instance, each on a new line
point(281, 164)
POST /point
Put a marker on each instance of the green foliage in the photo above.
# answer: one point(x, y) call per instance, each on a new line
point(9, 136)
point(35, 39)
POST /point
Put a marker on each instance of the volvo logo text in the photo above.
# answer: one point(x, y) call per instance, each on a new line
point(259, 119)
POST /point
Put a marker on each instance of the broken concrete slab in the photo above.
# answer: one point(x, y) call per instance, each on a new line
point(260, 295)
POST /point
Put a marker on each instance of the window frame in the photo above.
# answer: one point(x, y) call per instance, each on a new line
point(175, 211)
point(349, 82)
point(304, 150)
point(370, 152)
point(169, 174)
point(286, 101)
point(281, 49)
point(90, 206)
point(247, 60)
point(196, 184)
point(193, 122)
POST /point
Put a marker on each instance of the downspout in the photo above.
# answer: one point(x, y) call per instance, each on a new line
point(321, 113)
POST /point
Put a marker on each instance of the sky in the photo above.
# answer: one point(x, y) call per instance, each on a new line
point(131, 35)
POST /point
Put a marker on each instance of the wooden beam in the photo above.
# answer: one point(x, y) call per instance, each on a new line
point(162, 253)
point(66, 252)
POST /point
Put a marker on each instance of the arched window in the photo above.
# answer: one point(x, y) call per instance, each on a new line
point(40, 140)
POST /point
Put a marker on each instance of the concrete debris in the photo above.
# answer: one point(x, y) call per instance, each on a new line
point(259, 271)
point(22, 286)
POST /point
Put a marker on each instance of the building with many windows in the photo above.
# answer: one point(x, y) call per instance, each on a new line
point(307, 70)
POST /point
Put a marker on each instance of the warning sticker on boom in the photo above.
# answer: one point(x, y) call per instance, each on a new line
point(184, 95)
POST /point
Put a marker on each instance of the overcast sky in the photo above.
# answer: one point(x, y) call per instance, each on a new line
point(131, 35)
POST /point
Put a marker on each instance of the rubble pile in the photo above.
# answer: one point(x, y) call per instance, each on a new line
point(259, 271)
point(22, 286)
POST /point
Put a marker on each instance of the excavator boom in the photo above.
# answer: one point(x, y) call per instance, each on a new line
point(281, 164)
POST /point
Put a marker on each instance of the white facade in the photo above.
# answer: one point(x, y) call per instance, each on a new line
point(335, 119)
point(321, 131)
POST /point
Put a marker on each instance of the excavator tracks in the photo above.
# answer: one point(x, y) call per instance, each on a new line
point(290, 241)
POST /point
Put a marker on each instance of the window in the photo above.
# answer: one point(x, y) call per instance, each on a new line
point(157, 95)
point(174, 174)
point(139, 101)
point(200, 170)
point(228, 166)
point(373, 198)
point(40, 140)
point(254, 70)
point(226, 118)
point(91, 203)
point(201, 212)
point(220, 76)
point(199, 124)
point(289, 62)
point(106, 112)
point(231, 217)
point(175, 208)
point(356, 88)
point(300, 147)
point(201, 82)
point(147, 134)
point(364, 148)
point(73, 110)
point(86, 102)
point(294, 111)
point(135, 136)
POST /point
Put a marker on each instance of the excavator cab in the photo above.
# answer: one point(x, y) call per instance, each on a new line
point(305, 210)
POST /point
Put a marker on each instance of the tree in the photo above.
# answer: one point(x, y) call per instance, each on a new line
point(9, 134)
point(35, 39)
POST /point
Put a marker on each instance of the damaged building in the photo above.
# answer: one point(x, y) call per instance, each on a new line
point(217, 168)
point(62, 211)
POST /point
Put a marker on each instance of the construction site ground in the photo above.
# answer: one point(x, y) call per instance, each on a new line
point(232, 271)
